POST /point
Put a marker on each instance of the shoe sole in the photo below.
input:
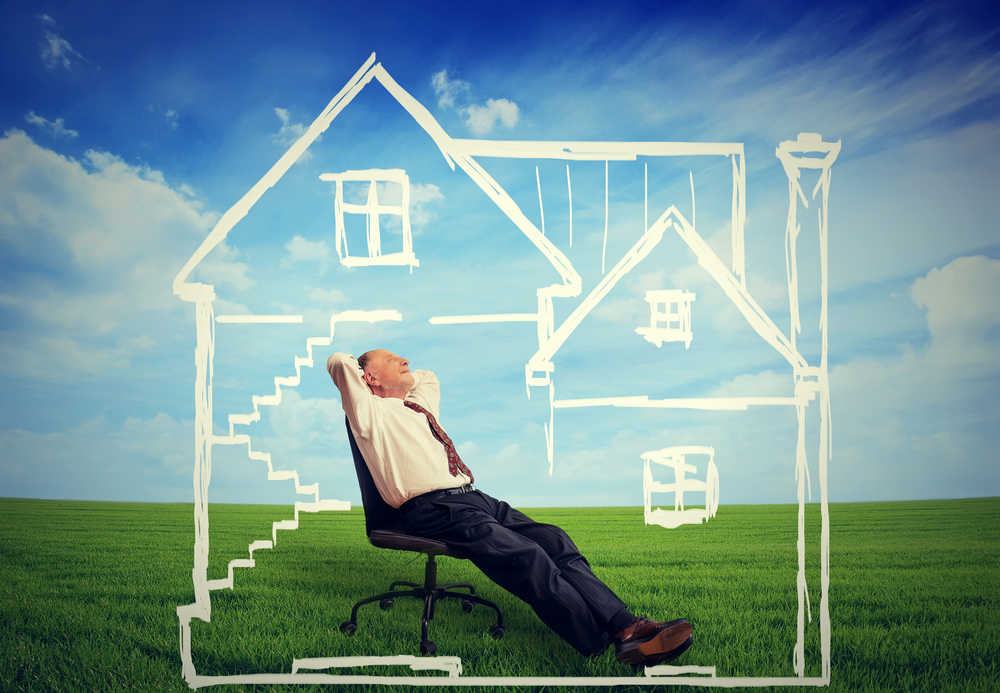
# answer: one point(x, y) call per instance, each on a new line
point(673, 654)
point(663, 646)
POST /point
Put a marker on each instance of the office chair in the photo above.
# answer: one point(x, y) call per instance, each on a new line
point(384, 526)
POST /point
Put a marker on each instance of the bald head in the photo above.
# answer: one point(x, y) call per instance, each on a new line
point(387, 374)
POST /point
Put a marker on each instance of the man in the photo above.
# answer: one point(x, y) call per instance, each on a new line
point(393, 414)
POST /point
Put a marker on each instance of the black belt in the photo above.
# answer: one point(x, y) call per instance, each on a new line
point(417, 501)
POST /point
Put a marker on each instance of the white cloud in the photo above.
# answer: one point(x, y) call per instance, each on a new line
point(962, 310)
point(105, 239)
point(57, 51)
point(147, 460)
point(221, 266)
point(764, 384)
point(302, 251)
point(389, 193)
point(290, 133)
point(479, 119)
point(925, 421)
point(447, 89)
point(56, 128)
point(422, 195)
point(482, 119)
point(300, 423)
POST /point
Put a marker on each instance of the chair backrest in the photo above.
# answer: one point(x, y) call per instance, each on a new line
point(378, 513)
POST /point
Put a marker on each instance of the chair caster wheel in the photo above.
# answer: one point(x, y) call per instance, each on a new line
point(348, 627)
point(385, 604)
point(496, 632)
point(427, 647)
point(468, 606)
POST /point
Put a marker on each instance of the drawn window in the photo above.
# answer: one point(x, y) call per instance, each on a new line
point(386, 194)
point(669, 317)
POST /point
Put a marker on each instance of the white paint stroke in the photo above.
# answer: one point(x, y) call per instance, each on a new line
point(645, 199)
point(541, 208)
point(640, 250)
point(258, 319)
point(239, 210)
point(371, 210)
point(670, 670)
point(810, 380)
point(675, 458)
point(571, 279)
point(589, 151)
point(471, 319)
point(198, 681)
point(569, 191)
point(370, 316)
point(450, 665)
point(738, 294)
point(394, 175)
point(739, 218)
point(694, 209)
point(227, 582)
point(604, 248)
point(705, 403)
point(418, 111)
point(657, 333)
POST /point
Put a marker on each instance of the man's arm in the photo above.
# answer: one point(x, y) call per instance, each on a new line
point(426, 391)
point(357, 399)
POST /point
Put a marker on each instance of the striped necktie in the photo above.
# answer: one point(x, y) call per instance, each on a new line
point(455, 464)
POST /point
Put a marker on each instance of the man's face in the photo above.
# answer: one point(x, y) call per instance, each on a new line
point(389, 372)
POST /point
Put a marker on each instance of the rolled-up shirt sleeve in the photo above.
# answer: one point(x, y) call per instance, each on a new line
point(357, 399)
point(426, 392)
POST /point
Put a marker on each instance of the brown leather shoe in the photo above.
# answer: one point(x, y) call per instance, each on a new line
point(649, 642)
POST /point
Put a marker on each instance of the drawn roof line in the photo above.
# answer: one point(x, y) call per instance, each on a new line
point(195, 291)
point(635, 254)
point(590, 151)
point(740, 296)
point(734, 289)
point(454, 151)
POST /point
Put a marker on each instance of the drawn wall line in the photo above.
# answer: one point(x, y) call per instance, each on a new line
point(569, 192)
point(541, 208)
point(489, 317)
point(604, 248)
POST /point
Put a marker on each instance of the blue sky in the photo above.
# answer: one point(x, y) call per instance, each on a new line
point(128, 130)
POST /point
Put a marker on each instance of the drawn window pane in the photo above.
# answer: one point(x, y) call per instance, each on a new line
point(669, 317)
point(375, 200)
point(676, 459)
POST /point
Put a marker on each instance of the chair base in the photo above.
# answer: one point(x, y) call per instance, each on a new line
point(430, 592)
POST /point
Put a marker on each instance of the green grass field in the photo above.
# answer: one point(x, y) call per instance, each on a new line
point(90, 592)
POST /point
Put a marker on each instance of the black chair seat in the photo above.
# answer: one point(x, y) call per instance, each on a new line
point(383, 524)
point(398, 540)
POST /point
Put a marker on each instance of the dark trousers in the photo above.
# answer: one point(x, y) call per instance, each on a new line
point(535, 562)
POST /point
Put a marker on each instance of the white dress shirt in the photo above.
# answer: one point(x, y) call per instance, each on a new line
point(402, 453)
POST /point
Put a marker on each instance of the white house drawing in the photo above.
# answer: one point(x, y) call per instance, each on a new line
point(676, 459)
point(673, 319)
